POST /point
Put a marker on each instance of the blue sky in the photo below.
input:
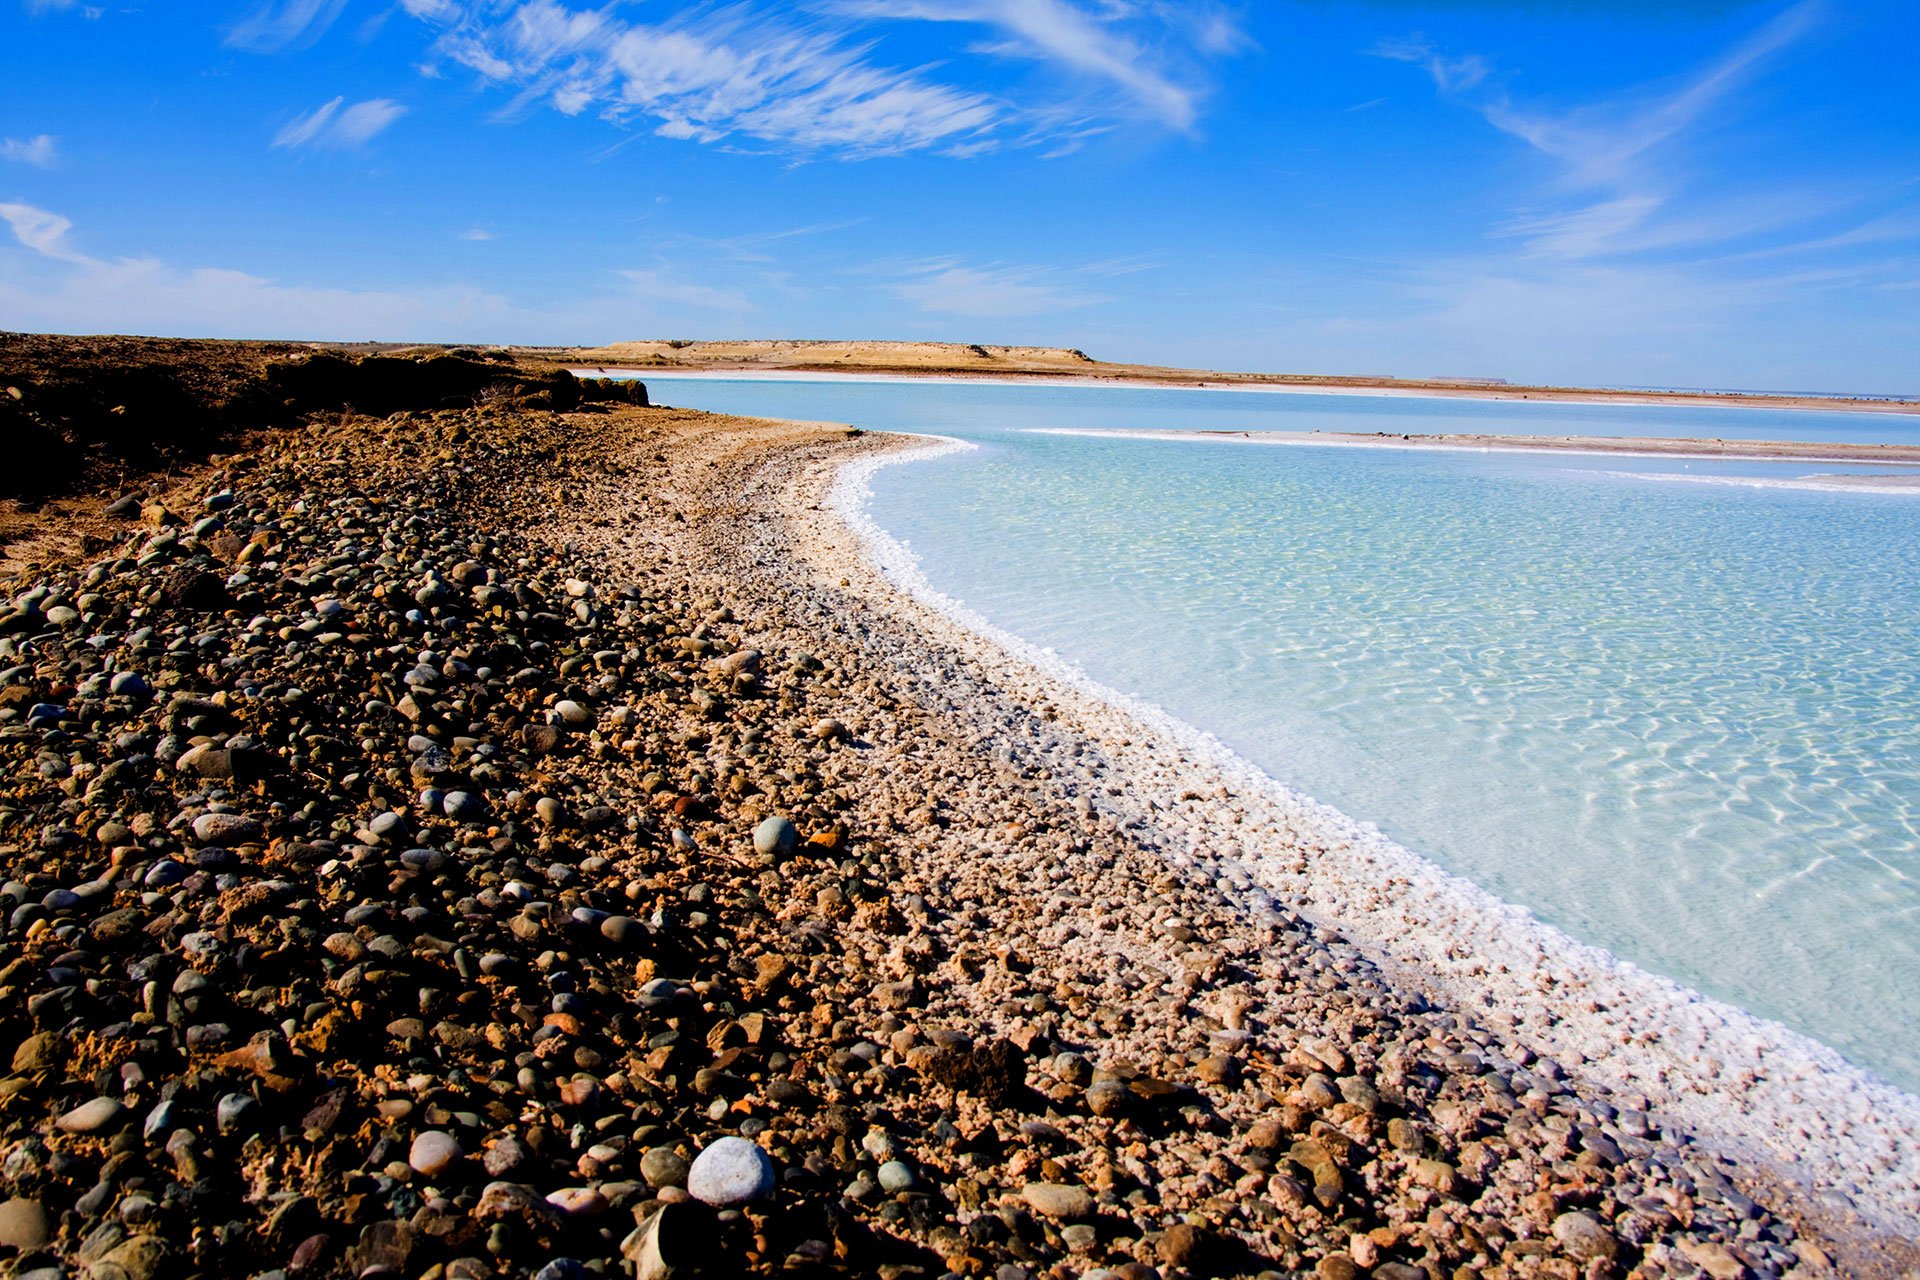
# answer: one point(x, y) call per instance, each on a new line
point(1601, 191)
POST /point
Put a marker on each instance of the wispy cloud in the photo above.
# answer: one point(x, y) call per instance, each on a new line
point(993, 291)
point(1603, 144)
point(1450, 74)
point(1087, 42)
point(41, 231)
point(769, 75)
point(1637, 245)
point(287, 24)
point(88, 11)
point(478, 234)
point(1620, 157)
point(716, 74)
point(41, 151)
point(335, 126)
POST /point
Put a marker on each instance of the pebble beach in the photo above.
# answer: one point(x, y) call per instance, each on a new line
point(547, 835)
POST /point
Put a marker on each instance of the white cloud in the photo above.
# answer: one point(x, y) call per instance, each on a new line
point(1585, 232)
point(1601, 144)
point(285, 25)
point(41, 151)
point(478, 234)
point(991, 292)
point(1086, 42)
point(1623, 155)
point(1450, 75)
point(329, 126)
point(775, 76)
point(43, 232)
point(87, 11)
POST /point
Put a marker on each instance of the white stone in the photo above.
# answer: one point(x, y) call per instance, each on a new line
point(731, 1172)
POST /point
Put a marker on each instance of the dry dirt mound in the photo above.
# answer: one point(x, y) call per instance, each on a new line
point(95, 412)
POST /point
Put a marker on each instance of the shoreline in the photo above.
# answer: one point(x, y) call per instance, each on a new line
point(1183, 380)
point(1676, 447)
point(1717, 1069)
point(538, 777)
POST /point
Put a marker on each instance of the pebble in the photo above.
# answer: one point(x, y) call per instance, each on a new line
point(130, 684)
point(731, 1171)
point(777, 837)
point(23, 1225)
point(433, 1153)
point(226, 829)
point(464, 806)
point(664, 1167)
point(101, 1115)
point(657, 994)
point(1057, 1201)
point(1584, 1237)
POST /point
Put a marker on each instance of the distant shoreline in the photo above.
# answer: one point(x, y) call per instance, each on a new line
point(1604, 446)
point(597, 363)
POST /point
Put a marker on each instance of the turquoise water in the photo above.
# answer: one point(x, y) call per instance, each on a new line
point(1678, 720)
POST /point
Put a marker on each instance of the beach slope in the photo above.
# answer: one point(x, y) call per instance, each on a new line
point(493, 839)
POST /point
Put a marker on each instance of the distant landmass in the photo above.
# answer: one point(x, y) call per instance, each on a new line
point(984, 360)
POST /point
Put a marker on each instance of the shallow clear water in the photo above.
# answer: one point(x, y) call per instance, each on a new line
point(1678, 720)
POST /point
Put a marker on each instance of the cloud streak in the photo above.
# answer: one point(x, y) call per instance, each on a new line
point(289, 24)
point(41, 151)
point(337, 127)
point(43, 232)
point(1607, 149)
point(1603, 145)
point(1064, 34)
point(762, 75)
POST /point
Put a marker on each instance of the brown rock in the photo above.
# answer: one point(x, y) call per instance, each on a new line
point(1181, 1245)
point(23, 1225)
point(44, 1051)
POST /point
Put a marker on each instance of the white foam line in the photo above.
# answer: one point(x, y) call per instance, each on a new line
point(1429, 446)
point(1748, 1085)
point(1600, 398)
point(1815, 483)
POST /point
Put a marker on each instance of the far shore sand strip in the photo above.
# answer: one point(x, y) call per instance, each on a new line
point(1032, 366)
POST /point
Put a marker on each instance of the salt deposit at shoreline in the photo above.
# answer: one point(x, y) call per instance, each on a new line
point(1742, 451)
point(1750, 1086)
